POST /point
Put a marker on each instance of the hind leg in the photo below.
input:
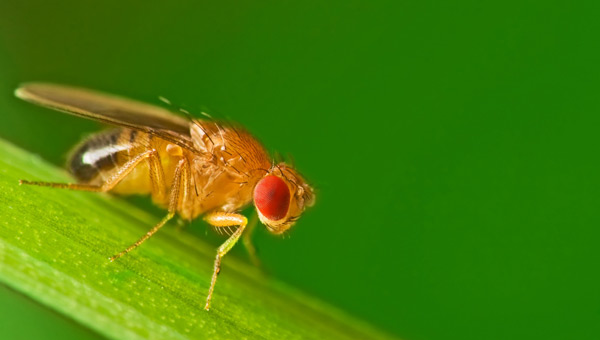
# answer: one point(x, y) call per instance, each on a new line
point(156, 174)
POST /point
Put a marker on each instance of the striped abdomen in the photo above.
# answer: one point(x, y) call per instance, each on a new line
point(103, 153)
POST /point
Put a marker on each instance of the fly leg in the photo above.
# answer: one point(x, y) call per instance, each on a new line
point(180, 177)
point(156, 174)
point(223, 219)
point(247, 241)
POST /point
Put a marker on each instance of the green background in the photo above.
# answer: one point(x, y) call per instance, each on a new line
point(454, 146)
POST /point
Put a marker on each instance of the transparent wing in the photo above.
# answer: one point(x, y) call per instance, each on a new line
point(109, 109)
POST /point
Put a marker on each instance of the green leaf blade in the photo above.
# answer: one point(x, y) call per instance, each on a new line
point(55, 245)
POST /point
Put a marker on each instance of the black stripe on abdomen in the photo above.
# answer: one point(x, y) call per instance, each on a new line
point(97, 153)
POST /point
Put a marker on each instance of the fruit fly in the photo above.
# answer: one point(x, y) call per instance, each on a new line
point(191, 167)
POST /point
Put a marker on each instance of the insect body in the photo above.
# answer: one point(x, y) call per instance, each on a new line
point(190, 167)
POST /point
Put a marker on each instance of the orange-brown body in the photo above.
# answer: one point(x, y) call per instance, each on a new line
point(190, 167)
point(222, 176)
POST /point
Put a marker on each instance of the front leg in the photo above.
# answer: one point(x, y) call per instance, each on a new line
point(223, 219)
point(247, 241)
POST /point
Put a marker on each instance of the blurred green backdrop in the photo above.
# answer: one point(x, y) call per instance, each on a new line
point(454, 145)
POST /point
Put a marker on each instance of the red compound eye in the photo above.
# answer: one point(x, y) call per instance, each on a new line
point(272, 197)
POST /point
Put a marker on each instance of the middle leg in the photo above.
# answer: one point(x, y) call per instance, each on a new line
point(175, 193)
